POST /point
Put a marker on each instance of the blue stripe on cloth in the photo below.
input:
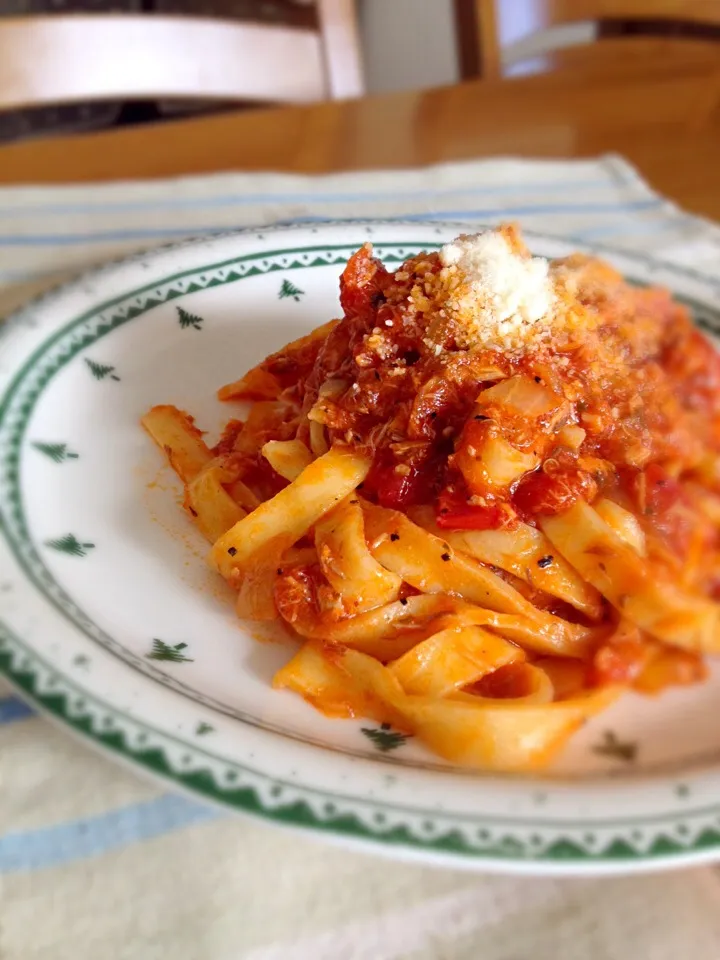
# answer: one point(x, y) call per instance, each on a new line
point(569, 208)
point(92, 836)
point(13, 708)
point(67, 239)
point(245, 199)
point(21, 276)
point(637, 228)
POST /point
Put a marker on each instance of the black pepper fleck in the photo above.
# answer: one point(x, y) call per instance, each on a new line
point(193, 511)
point(445, 557)
point(394, 536)
point(403, 601)
point(538, 380)
point(545, 561)
point(279, 571)
point(479, 416)
point(377, 375)
point(232, 551)
point(433, 415)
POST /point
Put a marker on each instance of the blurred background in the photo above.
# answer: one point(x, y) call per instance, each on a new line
point(590, 121)
point(396, 45)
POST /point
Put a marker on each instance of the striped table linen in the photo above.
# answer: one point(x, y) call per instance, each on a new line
point(95, 863)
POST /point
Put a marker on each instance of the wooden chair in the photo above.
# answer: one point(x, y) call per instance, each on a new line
point(484, 28)
point(74, 58)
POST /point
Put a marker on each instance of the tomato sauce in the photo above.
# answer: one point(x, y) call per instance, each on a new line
point(622, 406)
point(627, 410)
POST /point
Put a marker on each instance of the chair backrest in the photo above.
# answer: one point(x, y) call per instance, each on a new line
point(484, 26)
point(84, 57)
point(553, 12)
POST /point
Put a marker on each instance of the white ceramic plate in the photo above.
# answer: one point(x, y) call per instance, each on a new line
point(97, 562)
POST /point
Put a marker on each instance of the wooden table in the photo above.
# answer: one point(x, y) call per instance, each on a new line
point(660, 112)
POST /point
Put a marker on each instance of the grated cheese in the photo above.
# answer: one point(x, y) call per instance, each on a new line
point(500, 298)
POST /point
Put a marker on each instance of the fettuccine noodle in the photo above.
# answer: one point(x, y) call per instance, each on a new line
point(486, 500)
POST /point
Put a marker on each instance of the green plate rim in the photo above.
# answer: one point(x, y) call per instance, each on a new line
point(56, 703)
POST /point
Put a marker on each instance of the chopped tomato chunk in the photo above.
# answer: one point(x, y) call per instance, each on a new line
point(455, 513)
point(397, 484)
point(542, 493)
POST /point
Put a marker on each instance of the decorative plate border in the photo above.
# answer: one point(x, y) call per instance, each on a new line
point(675, 836)
point(63, 346)
point(553, 843)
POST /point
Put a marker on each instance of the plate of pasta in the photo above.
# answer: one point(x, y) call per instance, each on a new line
point(404, 533)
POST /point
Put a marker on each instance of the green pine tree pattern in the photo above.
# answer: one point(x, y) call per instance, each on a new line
point(165, 651)
point(186, 320)
point(101, 370)
point(290, 290)
point(71, 545)
point(385, 738)
point(611, 746)
point(58, 452)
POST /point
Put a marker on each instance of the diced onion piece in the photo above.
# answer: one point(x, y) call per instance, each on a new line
point(287, 457)
point(571, 436)
point(333, 388)
point(318, 440)
point(625, 524)
point(520, 395)
point(493, 464)
point(488, 374)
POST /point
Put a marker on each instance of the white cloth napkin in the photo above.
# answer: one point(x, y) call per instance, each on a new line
point(98, 865)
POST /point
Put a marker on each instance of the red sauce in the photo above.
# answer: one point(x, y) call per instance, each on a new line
point(454, 512)
point(545, 494)
point(399, 485)
point(642, 407)
point(620, 662)
point(627, 407)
